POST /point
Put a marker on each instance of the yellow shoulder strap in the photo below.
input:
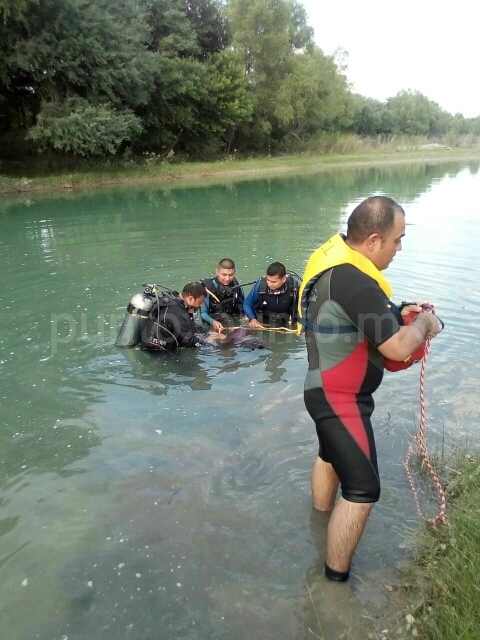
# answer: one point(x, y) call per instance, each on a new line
point(331, 254)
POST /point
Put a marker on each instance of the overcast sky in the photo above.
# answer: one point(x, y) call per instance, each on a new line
point(428, 45)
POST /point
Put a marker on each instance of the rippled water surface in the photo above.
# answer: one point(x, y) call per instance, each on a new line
point(168, 497)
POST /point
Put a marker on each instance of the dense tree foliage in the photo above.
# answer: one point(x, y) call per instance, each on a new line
point(200, 92)
point(62, 61)
point(188, 77)
point(268, 36)
point(17, 6)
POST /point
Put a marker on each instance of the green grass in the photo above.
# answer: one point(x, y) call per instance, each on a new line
point(448, 583)
point(40, 176)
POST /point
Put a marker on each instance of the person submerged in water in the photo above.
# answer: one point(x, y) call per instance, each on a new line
point(170, 323)
point(224, 298)
point(273, 299)
point(241, 337)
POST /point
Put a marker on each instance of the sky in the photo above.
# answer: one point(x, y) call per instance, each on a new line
point(425, 45)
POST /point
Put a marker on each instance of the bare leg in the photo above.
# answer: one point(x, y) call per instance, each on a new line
point(345, 529)
point(324, 485)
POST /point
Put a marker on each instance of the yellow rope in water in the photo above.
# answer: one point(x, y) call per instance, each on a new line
point(264, 328)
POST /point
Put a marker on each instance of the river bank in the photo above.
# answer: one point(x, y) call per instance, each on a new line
point(438, 591)
point(125, 174)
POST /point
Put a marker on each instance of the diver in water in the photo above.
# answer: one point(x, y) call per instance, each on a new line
point(273, 299)
point(170, 322)
point(224, 296)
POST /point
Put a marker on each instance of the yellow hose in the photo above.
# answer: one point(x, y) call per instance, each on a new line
point(212, 294)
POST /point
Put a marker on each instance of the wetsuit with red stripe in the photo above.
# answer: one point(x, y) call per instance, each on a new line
point(348, 317)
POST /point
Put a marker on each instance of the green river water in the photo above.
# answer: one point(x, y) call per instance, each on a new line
point(168, 497)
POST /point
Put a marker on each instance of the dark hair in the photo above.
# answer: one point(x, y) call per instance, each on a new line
point(373, 215)
point(277, 269)
point(195, 289)
point(226, 263)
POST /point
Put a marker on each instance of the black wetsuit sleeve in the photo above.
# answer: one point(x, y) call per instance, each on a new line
point(183, 328)
point(364, 302)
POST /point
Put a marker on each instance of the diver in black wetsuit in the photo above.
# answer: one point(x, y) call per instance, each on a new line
point(170, 323)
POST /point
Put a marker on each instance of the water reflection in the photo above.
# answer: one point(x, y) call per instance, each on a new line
point(192, 368)
point(48, 450)
point(283, 347)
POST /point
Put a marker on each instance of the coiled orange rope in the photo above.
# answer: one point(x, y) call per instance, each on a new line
point(420, 440)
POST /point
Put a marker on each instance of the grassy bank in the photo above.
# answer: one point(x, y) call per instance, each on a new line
point(442, 602)
point(126, 173)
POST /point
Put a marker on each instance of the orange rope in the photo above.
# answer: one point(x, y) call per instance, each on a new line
point(420, 440)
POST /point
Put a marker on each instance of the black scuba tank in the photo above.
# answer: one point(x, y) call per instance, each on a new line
point(136, 317)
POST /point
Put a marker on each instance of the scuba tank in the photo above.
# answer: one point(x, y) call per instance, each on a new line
point(136, 317)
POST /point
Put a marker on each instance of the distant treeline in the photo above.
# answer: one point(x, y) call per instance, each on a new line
point(183, 78)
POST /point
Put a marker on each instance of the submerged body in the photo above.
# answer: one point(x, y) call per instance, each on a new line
point(242, 338)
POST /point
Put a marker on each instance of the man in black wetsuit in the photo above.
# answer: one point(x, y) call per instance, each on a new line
point(351, 326)
point(170, 323)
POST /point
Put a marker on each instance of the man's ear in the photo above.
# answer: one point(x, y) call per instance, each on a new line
point(373, 241)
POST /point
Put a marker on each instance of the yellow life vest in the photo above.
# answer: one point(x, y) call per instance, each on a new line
point(331, 254)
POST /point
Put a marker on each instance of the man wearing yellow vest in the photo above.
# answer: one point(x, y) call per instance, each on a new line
point(351, 327)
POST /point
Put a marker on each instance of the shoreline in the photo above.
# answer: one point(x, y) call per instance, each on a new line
point(207, 173)
point(435, 595)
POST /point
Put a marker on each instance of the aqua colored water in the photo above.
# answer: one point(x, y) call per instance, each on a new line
point(168, 497)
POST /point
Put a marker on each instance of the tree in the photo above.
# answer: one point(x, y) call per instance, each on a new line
point(63, 49)
point(473, 126)
point(8, 7)
point(81, 128)
point(200, 91)
point(312, 96)
point(413, 113)
point(266, 34)
point(210, 24)
point(171, 33)
point(195, 106)
point(370, 117)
